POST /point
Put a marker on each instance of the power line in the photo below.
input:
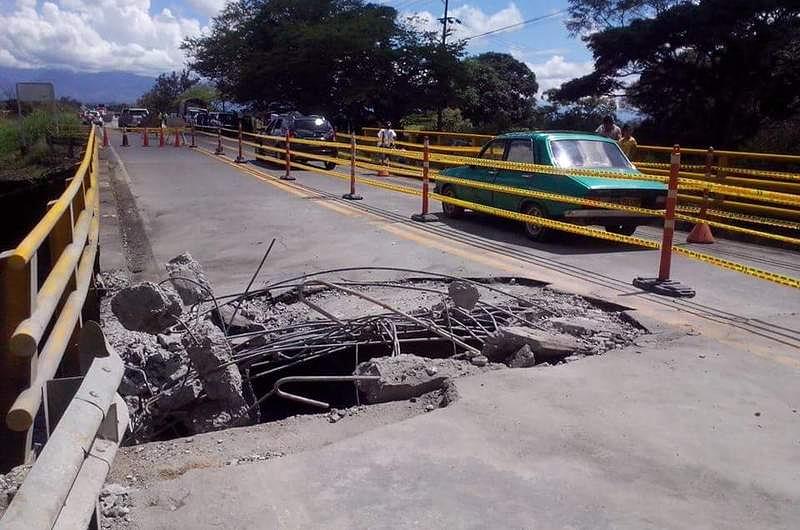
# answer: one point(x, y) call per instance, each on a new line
point(518, 24)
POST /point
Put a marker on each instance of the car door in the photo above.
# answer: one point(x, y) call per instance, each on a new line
point(518, 150)
point(494, 150)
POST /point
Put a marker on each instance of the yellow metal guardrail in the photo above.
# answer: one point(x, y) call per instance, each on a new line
point(44, 283)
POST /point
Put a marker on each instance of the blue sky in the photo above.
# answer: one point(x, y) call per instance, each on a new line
point(144, 36)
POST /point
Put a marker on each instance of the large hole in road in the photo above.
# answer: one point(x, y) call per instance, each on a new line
point(271, 354)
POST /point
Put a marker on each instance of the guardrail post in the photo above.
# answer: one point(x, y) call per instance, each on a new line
point(16, 286)
point(161, 136)
point(193, 139)
point(105, 136)
point(425, 216)
point(288, 157)
point(352, 195)
point(145, 138)
point(662, 284)
point(701, 232)
point(177, 136)
point(240, 158)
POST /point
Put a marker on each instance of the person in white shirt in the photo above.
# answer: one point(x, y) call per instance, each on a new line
point(386, 139)
point(609, 129)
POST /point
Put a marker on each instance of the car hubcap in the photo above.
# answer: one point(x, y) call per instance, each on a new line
point(533, 229)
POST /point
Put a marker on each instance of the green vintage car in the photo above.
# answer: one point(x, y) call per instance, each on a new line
point(564, 149)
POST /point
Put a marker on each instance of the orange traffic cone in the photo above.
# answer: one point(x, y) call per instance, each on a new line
point(125, 138)
point(105, 137)
point(384, 169)
point(701, 233)
point(177, 138)
point(145, 138)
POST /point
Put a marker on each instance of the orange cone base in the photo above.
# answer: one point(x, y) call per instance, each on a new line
point(701, 233)
point(383, 172)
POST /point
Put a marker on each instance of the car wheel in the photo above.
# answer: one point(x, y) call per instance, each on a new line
point(329, 165)
point(451, 210)
point(533, 231)
point(623, 230)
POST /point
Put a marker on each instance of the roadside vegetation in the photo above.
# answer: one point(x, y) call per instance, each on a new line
point(38, 143)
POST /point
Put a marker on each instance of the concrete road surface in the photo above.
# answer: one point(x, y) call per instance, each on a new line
point(696, 426)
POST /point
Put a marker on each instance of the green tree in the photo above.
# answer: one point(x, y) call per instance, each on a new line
point(500, 93)
point(347, 58)
point(705, 72)
point(166, 92)
point(584, 114)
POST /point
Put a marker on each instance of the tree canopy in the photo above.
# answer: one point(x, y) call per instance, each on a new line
point(166, 92)
point(346, 58)
point(702, 72)
point(499, 92)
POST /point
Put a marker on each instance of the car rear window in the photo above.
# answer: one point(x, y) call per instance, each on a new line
point(312, 126)
point(588, 153)
point(137, 112)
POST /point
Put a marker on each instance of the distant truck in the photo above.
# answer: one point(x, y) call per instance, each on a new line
point(133, 117)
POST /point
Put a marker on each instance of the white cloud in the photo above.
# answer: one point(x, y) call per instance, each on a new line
point(556, 71)
point(474, 21)
point(94, 35)
point(207, 7)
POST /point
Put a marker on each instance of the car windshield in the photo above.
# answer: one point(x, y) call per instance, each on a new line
point(588, 153)
point(312, 126)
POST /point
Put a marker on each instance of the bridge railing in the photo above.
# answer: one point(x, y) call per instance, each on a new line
point(44, 284)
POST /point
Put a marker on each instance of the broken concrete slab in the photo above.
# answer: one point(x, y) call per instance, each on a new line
point(239, 324)
point(208, 350)
point(195, 287)
point(579, 325)
point(178, 396)
point(544, 344)
point(523, 358)
point(464, 295)
point(171, 341)
point(406, 376)
point(146, 307)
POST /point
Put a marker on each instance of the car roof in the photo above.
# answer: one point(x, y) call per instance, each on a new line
point(556, 135)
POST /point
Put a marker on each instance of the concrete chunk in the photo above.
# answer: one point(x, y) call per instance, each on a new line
point(579, 325)
point(523, 358)
point(465, 295)
point(146, 307)
point(544, 344)
point(198, 288)
point(208, 350)
point(406, 376)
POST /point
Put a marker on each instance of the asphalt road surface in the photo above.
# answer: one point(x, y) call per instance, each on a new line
point(695, 427)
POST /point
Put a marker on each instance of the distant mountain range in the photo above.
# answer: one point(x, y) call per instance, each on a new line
point(100, 87)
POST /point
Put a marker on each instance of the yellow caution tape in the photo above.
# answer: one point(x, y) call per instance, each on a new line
point(743, 217)
point(787, 199)
point(782, 175)
point(738, 267)
point(739, 229)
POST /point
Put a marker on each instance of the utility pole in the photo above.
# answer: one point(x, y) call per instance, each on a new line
point(442, 79)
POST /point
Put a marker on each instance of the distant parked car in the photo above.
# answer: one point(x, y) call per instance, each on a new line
point(308, 127)
point(228, 120)
point(133, 117)
point(562, 149)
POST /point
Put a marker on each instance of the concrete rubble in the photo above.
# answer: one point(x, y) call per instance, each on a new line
point(507, 341)
point(189, 279)
point(146, 307)
point(183, 376)
point(406, 376)
point(10, 483)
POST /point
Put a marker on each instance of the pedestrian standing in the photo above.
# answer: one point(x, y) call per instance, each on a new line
point(609, 129)
point(628, 143)
point(386, 139)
